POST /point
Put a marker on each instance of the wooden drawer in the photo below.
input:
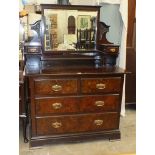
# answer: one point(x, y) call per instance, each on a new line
point(113, 49)
point(54, 86)
point(77, 123)
point(99, 103)
point(101, 85)
point(56, 105)
point(63, 105)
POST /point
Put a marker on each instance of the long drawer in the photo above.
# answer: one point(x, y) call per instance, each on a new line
point(62, 105)
point(100, 85)
point(76, 123)
point(56, 86)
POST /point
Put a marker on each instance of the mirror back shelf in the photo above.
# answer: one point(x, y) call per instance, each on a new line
point(72, 35)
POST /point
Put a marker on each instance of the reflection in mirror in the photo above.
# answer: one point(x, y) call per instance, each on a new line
point(69, 29)
point(71, 25)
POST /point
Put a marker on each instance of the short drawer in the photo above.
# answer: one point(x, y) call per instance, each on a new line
point(99, 103)
point(56, 105)
point(112, 49)
point(101, 85)
point(77, 123)
point(56, 86)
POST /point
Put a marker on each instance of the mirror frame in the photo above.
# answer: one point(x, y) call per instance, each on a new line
point(70, 7)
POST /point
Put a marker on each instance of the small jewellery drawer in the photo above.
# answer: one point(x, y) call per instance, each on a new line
point(77, 123)
point(113, 49)
point(52, 86)
point(96, 85)
point(56, 105)
point(99, 103)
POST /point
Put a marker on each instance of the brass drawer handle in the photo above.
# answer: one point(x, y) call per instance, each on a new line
point(56, 125)
point(56, 88)
point(56, 105)
point(100, 86)
point(112, 50)
point(98, 122)
point(99, 103)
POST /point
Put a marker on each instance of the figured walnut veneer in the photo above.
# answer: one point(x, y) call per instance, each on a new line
point(111, 85)
point(77, 123)
point(84, 105)
point(44, 87)
point(45, 106)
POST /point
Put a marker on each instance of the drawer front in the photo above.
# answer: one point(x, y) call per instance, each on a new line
point(52, 86)
point(77, 123)
point(64, 105)
point(99, 103)
point(56, 105)
point(112, 49)
point(99, 85)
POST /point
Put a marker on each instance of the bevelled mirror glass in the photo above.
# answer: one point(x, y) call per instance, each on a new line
point(69, 29)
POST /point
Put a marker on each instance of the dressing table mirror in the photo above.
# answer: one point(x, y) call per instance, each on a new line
point(70, 27)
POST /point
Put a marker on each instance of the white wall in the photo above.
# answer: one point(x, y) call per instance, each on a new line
point(110, 14)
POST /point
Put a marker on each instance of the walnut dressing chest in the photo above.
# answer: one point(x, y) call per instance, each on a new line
point(79, 104)
point(75, 94)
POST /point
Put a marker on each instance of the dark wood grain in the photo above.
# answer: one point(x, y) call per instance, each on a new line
point(45, 106)
point(77, 123)
point(75, 138)
point(130, 88)
point(81, 104)
point(44, 87)
point(111, 48)
point(111, 85)
point(131, 20)
point(130, 84)
point(87, 103)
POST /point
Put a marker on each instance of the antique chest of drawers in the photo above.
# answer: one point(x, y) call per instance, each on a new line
point(75, 89)
point(69, 106)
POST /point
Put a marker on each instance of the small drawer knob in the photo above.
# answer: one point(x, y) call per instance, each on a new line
point(56, 88)
point(98, 122)
point(56, 125)
point(57, 105)
point(112, 50)
point(100, 86)
point(99, 103)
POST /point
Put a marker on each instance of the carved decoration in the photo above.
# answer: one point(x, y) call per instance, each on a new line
point(36, 30)
point(103, 28)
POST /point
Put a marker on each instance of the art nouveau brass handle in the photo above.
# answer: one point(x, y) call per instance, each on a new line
point(98, 122)
point(56, 105)
point(56, 88)
point(112, 50)
point(99, 103)
point(100, 86)
point(56, 125)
